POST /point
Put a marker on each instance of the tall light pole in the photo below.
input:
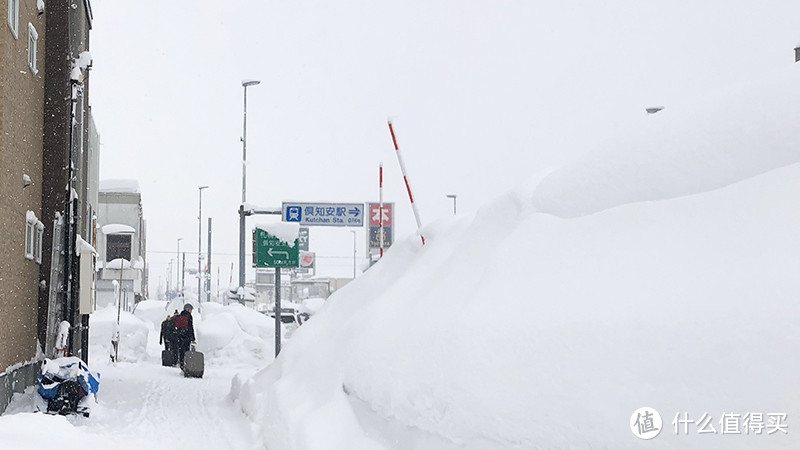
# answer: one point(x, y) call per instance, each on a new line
point(199, 239)
point(245, 84)
point(354, 254)
point(453, 196)
point(178, 262)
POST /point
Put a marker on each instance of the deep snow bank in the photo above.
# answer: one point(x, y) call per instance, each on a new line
point(235, 334)
point(518, 329)
point(133, 334)
point(733, 134)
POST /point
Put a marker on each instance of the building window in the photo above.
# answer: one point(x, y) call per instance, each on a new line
point(39, 239)
point(118, 246)
point(30, 235)
point(33, 38)
point(13, 17)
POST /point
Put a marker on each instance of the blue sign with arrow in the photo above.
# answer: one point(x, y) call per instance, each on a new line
point(324, 214)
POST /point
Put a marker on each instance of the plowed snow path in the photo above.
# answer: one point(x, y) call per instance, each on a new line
point(145, 406)
point(150, 401)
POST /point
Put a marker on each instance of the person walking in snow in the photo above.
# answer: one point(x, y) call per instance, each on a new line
point(167, 329)
point(183, 331)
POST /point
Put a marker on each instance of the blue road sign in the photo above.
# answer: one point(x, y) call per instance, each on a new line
point(324, 214)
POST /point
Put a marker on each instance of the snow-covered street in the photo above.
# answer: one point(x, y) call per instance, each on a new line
point(145, 405)
point(142, 404)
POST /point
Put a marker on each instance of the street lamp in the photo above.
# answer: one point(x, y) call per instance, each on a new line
point(453, 196)
point(354, 254)
point(199, 238)
point(245, 84)
point(178, 272)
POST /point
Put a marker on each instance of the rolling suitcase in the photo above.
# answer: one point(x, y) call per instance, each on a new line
point(168, 358)
point(193, 364)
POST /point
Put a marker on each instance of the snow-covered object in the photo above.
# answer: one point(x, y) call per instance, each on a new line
point(138, 263)
point(84, 60)
point(40, 6)
point(26, 180)
point(30, 216)
point(120, 185)
point(62, 338)
point(82, 245)
point(117, 228)
point(68, 368)
point(132, 335)
point(285, 231)
point(76, 75)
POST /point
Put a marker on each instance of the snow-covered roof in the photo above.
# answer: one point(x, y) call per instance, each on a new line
point(120, 185)
point(117, 228)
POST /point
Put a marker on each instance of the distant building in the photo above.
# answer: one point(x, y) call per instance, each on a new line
point(122, 237)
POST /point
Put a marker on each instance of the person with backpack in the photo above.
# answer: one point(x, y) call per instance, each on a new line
point(184, 331)
point(167, 328)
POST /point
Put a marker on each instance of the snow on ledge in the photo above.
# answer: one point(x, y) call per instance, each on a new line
point(117, 228)
point(120, 185)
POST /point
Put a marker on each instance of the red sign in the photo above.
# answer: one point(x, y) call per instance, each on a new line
point(375, 216)
point(306, 259)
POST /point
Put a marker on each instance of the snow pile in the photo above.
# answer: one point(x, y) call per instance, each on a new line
point(153, 312)
point(132, 340)
point(17, 432)
point(312, 305)
point(234, 335)
point(533, 324)
point(735, 134)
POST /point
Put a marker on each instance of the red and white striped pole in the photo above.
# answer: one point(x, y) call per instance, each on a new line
point(380, 205)
point(405, 179)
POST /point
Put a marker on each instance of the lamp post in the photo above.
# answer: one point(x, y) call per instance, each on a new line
point(199, 239)
point(453, 196)
point(245, 84)
point(178, 271)
point(354, 254)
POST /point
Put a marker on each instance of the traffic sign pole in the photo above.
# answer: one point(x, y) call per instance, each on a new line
point(277, 311)
point(380, 201)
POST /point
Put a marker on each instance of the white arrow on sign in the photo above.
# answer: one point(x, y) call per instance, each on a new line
point(376, 213)
point(273, 253)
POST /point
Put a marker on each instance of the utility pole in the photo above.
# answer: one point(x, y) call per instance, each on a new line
point(245, 84)
point(178, 270)
point(200, 242)
point(208, 264)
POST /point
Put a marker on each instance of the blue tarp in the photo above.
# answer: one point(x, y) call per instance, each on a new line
point(69, 368)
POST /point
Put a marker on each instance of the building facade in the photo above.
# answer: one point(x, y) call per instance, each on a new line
point(121, 243)
point(22, 77)
point(40, 45)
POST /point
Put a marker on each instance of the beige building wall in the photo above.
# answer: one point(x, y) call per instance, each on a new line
point(21, 118)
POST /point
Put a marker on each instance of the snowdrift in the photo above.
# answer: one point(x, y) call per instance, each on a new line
point(133, 335)
point(234, 334)
point(554, 313)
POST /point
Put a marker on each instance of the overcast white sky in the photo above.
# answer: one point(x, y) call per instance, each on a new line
point(482, 94)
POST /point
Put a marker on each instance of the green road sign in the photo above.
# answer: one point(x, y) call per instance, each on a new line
point(271, 251)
